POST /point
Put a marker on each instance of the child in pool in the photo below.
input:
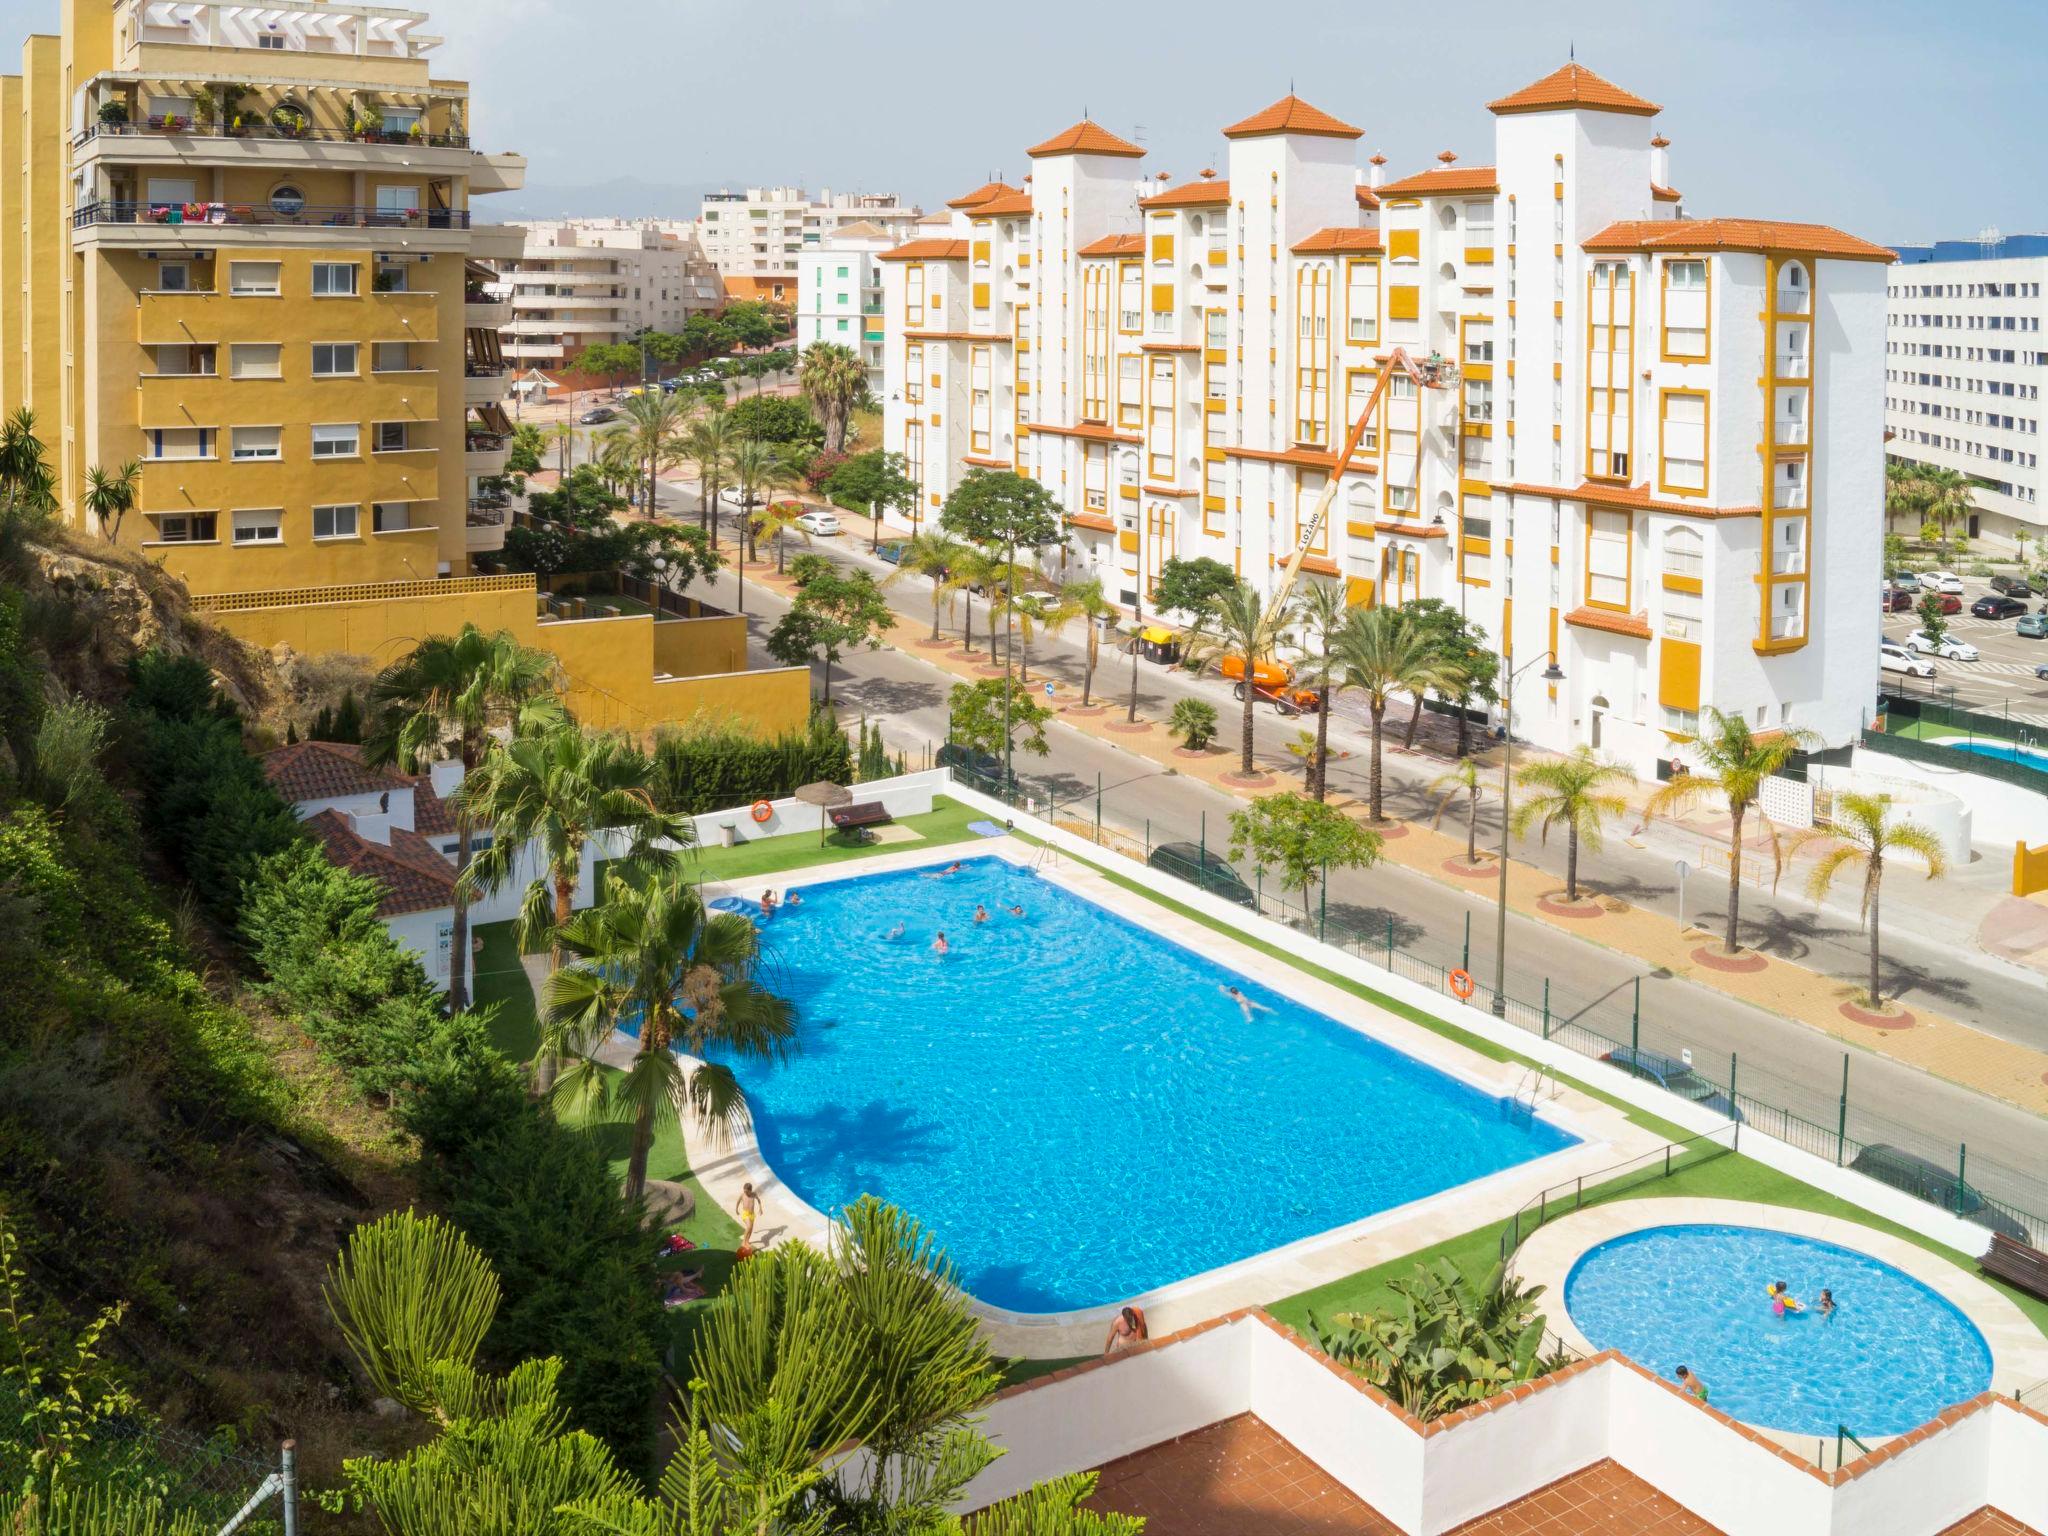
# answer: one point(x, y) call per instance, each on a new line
point(1827, 1305)
point(1783, 1302)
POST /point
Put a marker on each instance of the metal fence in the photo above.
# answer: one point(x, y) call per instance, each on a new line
point(1977, 731)
point(1608, 1183)
point(1611, 1025)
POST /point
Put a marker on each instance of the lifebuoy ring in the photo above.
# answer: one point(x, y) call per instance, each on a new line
point(763, 810)
point(1461, 984)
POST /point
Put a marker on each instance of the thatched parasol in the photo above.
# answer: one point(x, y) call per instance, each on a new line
point(825, 796)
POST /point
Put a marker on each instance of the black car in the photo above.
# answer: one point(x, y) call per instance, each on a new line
point(1199, 866)
point(2011, 586)
point(1996, 607)
point(1927, 1180)
point(1675, 1076)
point(597, 416)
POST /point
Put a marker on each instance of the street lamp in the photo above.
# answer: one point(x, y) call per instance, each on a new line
point(1551, 674)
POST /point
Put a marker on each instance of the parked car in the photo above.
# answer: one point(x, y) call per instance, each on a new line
point(982, 770)
point(1896, 658)
point(823, 524)
point(1927, 1180)
point(1950, 648)
point(1948, 602)
point(893, 550)
point(1942, 581)
point(2012, 586)
point(1897, 600)
point(1675, 1076)
point(1204, 867)
point(730, 496)
point(1992, 606)
point(2033, 627)
point(2042, 672)
point(597, 416)
point(1906, 579)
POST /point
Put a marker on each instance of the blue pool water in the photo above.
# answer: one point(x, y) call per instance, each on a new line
point(1894, 1356)
point(1072, 1104)
point(1999, 750)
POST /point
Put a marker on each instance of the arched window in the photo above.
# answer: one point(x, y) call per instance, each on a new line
point(1684, 553)
point(1361, 505)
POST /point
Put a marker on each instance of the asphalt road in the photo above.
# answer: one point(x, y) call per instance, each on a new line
point(2001, 682)
point(1780, 1062)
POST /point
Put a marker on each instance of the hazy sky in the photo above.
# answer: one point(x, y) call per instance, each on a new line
point(1898, 121)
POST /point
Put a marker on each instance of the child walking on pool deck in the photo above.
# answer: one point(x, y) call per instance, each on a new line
point(748, 1209)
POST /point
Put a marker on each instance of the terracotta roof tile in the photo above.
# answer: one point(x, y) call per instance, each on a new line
point(927, 250)
point(1004, 206)
point(1193, 194)
point(1737, 235)
point(1115, 245)
point(1663, 194)
point(1443, 181)
point(1325, 241)
point(1093, 431)
point(1290, 114)
point(431, 815)
point(413, 874)
point(1635, 497)
point(1367, 196)
point(982, 194)
point(1634, 625)
point(1573, 85)
point(1086, 138)
point(325, 770)
point(1093, 520)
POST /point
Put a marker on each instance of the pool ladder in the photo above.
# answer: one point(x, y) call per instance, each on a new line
point(1530, 1088)
point(1047, 857)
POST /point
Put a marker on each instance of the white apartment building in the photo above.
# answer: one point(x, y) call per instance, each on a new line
point(1965, 357)
point(1646, 443)
point(839, 293)
point(582, 282)
point(754, 237)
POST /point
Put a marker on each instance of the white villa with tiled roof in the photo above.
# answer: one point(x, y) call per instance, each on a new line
point(1648, 443)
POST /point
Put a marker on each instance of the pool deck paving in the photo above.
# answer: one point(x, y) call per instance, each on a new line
point(1606, 1135)
point(1956, 1052)
point(2019, 1352)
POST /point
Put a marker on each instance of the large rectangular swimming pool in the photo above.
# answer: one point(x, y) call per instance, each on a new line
point(1073, 1104)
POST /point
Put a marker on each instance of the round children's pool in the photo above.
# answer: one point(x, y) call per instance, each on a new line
point(1892, 1356)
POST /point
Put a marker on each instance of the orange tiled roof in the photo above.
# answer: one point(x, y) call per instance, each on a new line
point(1634, 625)
point(1086, 138)
point(1367, 197)
point(1737, 235)
point(1325, 241)
point(982, 194)
point(1093, 431)
point(413, 874)
point(927, 250)
point(1634, 497)
point(325, 770)
point(1663, 194)
point(1004, 206)
point(1290, 114)
point(1115, 245)
point(1193, 194)
point(1443, 181)
point(1094, 520)
point(1320, 565)
point(1574, 85)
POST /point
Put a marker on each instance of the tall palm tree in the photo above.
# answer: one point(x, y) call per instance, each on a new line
point(616, 461)
point(1323, 610)
point(1382, 651)
point(931, 553)
point(1087, 602)
point(1864, 832)
point(777, 520)
point(1949, 500)
point(1905, 491)
point(1569, 792)
point(110, 496)
point(442, 700)
point(651, 953)
point(1239, 623)
point(833, 379)
point(970, 569)
point(563, 435)
point(654, 424)
point(708, 441)
point(1734, 762)
point(1461, 780)
point(756, 466)
point(1050, 611)
point(557, 791)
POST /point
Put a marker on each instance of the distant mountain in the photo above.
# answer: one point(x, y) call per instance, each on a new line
point(625, 197)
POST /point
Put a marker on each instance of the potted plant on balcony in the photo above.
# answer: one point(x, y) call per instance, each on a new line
point(114, 113)
point(369, 122)
point(417, 133)
point(205, 106)
point(289, 119)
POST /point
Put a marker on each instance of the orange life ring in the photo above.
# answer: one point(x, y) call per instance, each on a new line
point(763, 810)
point(1461, 984)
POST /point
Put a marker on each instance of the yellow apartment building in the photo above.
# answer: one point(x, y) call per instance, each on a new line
point(239, 249)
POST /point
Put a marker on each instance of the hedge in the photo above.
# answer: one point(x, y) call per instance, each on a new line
point(713, 767)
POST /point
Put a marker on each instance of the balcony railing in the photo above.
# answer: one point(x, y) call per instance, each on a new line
point(473, 370)
point(1787, 366)
point(1792, 301)
point(485, 442)
point(308, 215)
point(159, 127)
point(1790, 433)
point(1788, 562)
point(487, 514)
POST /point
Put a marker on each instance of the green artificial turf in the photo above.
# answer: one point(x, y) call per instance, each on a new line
point(945, 823)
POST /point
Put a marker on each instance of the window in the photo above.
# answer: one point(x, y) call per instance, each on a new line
point(393, 279)
point(390, 516)
point(333, 359)
point(1130, 389)
point(174, 277)
point(1479, 224)
point(841, 325)
point(1130, 298)
point(913, 372)
point(171, 191)
point(1479, 400)
point(335, 522)
point(1685, 554)
point(1479, 341)
point(1682, 431)
point(1095, 480)
point(397, 202)
point(1685, 310)
point(392, 436)
point(391, 357)
point(179, 443)
point(255, 360)
point(332, 279)
point(1162, 308)
point(251, 278)
point(1159, 422)
point(913, 293)
point(186, 528)
point(1607, 536)
point(1684, 614)
point(170, 106)
point(265, 527)
point(980, 409)
point(341, 440)
point(177, 360)
point(272, 40)
point(1358, 384)
point(1681, 722)
point(258, 443)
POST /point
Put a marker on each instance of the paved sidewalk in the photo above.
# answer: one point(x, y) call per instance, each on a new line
point(1959, 1053)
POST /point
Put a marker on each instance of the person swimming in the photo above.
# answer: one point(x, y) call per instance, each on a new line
point(1015, 911)
point(939, 944)
point(1126, 1329)
point(792, 900)
point(980, 913)
point(768, 903)
point(1826, 1305)
point(953, 868)
point(896, 932)
point(1690, 1381)
point(1245, 1004)
point(1783, 1302)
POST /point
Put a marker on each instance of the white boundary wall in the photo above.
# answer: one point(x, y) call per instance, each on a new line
point(907, 794)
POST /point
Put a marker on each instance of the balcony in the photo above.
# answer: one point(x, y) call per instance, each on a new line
point(1788, 626)
point(1789, 495)
point(255, 129)
point(1789, 433)
point(483, 527)
point(1794, 301)
point(484, 311)
point(483, 453)
point(1789, 366)
point(483, 383)
point(1788, 562)
point(200, 225)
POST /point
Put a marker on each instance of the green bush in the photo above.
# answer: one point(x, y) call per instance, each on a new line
point(715, 766)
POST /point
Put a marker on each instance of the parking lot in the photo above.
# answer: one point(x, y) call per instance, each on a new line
point(2002, 682)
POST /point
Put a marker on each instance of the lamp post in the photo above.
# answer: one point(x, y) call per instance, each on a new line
point(1551, 674)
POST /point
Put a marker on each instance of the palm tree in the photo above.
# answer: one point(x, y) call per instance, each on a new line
point(1381, 652)
point(777, 519)
point(1948, 500)
point(1568, 792)
point(557, 790)
point(654, 424)
point(110, 496)
point(616, 462)
point(442, 700)
point(709, 441)
point(1323, 609)
point(563, 434)
point(1461, 779)
point(652, 953)
point(970, 569)
point(1734, 763)
point(1863, 833)
point(1905, 491)
point(26, 483)
point(1049, 611)
point(931, 553)
point(1238, 623)
point(1088, 604)
point(833, 379)
point(756, 466)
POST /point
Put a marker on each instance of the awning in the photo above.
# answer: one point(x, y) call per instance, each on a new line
point(492, 418)
point(483, 345)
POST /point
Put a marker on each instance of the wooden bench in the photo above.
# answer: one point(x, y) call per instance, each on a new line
point(2016, 1264)
point(856, 819)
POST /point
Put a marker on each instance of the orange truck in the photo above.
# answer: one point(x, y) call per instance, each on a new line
point(1272, 681)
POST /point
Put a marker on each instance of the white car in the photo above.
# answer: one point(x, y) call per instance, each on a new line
point(730, 496)
point(1941, 581)
point(1896, 658)
point(1950, 649)
point(824, 524)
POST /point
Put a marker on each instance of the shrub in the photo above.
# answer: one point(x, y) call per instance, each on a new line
point(1194, 721)
point(711, 766)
